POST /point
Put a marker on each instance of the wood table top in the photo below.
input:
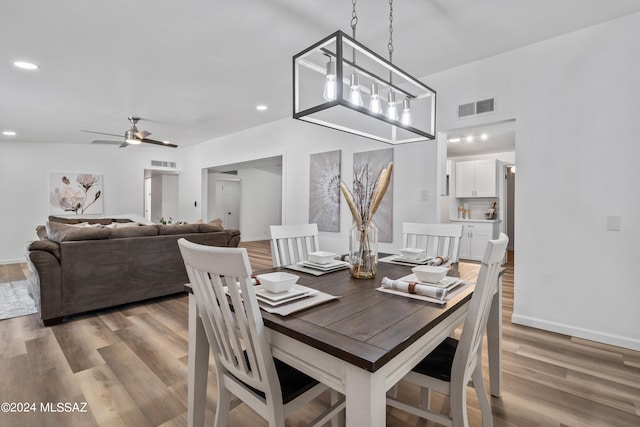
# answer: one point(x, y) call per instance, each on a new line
point(364, 327)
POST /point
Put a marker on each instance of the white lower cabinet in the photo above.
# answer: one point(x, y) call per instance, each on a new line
point(475, 236)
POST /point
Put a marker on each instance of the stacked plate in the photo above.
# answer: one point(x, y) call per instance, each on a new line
point(329, 266)
point(295, 293)
point(447, 283)
point(417, 261)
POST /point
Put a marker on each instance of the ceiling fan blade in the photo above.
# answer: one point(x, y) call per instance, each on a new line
point(100, 133)
point(142, 134)
point(124, 145)
point(164, 144)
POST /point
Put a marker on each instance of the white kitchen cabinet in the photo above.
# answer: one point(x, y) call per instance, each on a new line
point(476, 178)
point(475, 235)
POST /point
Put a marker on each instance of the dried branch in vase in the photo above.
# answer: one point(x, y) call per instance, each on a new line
point(368, 192)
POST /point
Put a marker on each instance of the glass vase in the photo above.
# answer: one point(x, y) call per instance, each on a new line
point(363, 251)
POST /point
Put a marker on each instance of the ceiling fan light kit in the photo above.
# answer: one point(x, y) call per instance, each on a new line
point(340, 83)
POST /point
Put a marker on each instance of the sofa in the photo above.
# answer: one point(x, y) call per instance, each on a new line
point(80, 265)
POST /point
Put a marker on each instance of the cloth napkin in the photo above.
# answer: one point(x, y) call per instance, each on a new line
point(439, 260)
point(415, 288)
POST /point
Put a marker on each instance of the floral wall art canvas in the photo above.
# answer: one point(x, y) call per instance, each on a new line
point(75, 193)
point(375, 161)
point(324, 190)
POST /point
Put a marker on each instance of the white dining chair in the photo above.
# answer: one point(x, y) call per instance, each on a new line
point(291, 244)
point(450, 366)
point(436, 239)
point(245, 367)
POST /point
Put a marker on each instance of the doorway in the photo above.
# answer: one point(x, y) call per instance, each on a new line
point(161, 195)
point(497, 141)
point(259, 195)
point(509, 203)
point(228, 193)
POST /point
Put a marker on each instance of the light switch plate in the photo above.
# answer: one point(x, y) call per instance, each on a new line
point(614, 223)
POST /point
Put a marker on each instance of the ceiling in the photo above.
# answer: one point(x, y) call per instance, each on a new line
point(496, 137)
point(194, 70)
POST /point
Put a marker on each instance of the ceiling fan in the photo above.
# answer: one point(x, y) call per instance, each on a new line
point(133, 136)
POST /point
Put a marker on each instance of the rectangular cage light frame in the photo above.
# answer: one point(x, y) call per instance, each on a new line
point(309, 70)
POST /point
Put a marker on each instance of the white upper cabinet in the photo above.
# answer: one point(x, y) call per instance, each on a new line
point(476, 178)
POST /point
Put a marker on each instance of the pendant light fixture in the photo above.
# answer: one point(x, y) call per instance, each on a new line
point(342, 91)
point(330, 81)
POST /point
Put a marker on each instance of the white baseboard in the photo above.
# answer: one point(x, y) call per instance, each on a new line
point(589, 334)
point(12, 261)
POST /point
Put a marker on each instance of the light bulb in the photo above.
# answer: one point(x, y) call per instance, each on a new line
point(374, 103)
point(329, 93)
point(392, 109)
point(355, 96)
point(406, 112)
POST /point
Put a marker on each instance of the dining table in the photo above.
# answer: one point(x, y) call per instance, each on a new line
point(360, 344)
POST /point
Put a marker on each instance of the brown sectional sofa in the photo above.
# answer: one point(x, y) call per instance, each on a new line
point(81, 267)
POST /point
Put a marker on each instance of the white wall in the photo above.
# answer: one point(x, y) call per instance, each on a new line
point(414, 170)
point(24, 183)
point(575, 100)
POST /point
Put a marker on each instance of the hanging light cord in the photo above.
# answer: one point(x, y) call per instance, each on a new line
point(390, 44)
point(354, 23)
point(354, 19)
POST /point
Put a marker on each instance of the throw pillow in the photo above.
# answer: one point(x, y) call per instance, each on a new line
point(178, 229)
point(58, 232)
point(212, 226)
point(41, 232)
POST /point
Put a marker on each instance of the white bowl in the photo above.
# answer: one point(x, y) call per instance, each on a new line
point(430, 273)
point(321, 257)
point(277, 282)
point(412, 253)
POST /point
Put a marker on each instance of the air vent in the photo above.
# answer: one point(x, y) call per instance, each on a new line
point(478, 107)
point(231, 172)
point(485, 106)
point(465, 110)
point(162, 164)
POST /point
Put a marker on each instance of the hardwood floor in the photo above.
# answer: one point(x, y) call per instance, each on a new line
point(129, 365)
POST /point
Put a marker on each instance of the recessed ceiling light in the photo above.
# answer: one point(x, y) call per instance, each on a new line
point(25, 65)
point(469, 138)
point(261, 107)
point(484, 137)
point(8, 133)
point(454, 140)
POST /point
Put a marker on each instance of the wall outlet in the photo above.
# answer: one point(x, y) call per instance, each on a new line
point(614, 223)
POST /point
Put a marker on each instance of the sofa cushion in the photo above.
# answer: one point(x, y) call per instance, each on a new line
point(120, 231)
point(63, 220)
point(59, 232)
point(211, 226)
point(178, 229)
point(45, 245)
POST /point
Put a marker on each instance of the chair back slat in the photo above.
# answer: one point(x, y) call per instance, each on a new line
point(470, 344)
point(291, 244)
point(221, 282)
point(436, 239)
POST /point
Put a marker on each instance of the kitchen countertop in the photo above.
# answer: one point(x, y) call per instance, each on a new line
point(475, 220)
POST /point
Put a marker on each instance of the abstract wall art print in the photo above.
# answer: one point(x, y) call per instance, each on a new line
point(75, 193)
point(324, 190)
